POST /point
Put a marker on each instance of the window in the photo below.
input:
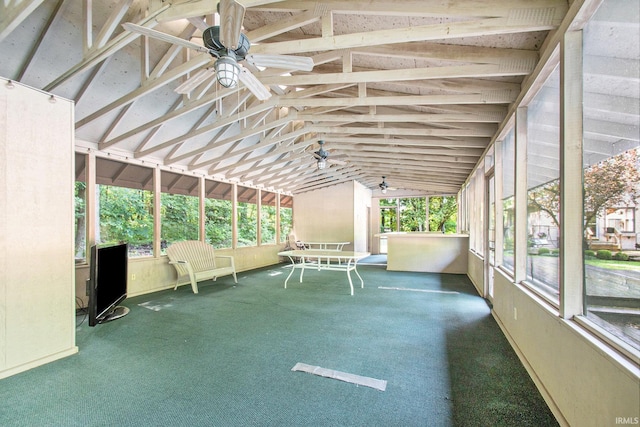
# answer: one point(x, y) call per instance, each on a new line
point(218, 214)
point(464, 222)
point(611, 177)
point(508, 201)
point(179, 207)
point(413, 214)
point(543, 188)
point(267, 217)
point(443, 214)
point(80, 196)
point(125, 206)
point(410, 214)
point(286, 217)
point(476, 242)
point(388, 215)
point(247, 216)
point(620, 219)
point(80, 221)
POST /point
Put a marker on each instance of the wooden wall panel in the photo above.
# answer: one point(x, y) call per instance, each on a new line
point(36, 228)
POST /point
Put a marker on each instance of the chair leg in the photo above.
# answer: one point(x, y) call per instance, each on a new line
point(194, 286)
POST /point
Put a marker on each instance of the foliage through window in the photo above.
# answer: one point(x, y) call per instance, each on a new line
point(410, 214)
point(286, 217)
point(124, 205)
point(125, 216)
point(218, 214)
point(179, 209)
point(443, 213)
point(80, 221)
point(268, 218)
point(247, 216)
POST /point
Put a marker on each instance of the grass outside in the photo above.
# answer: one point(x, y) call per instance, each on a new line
point(613, 264)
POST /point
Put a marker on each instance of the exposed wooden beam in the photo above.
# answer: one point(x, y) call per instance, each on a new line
point(12, 14)
point(449, 30)
point(397, 100)
point(96, 56)
point(399, 118)
point(455, 71)
point(480, 130)
point(166, 78)
point(438, 8)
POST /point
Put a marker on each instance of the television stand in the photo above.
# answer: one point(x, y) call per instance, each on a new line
point(118, 312)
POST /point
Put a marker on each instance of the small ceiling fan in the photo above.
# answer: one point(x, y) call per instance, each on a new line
point(228, 46)
point(384, 186)
point(322, 156)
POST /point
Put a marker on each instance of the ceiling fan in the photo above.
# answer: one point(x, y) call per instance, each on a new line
point(228, 46)
point(322, 156)
point(384, 186)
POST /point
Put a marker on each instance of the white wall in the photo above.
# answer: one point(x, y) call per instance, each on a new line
point(326, 215)
point(475, 271)
point(361, 221)
point(584, 382)
point(37, 307)
point(155, 274)
point(428, 252)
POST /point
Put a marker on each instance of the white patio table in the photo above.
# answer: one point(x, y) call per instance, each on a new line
point(313, 258)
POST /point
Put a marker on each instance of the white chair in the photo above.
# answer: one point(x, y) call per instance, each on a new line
point(196, 261)
point(295, 244)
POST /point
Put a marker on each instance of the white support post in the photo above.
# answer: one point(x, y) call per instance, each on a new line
point(234, 216)
point(571, 187)
point(520, 238)
point(157, 194)
point(201, 205)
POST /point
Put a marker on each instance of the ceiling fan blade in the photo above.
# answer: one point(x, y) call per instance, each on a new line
point(194, 81)
point(231, 17)
point(292, 62)
point(254, 85)
point(135, 28)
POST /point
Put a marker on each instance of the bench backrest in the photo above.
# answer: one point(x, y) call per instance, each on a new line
point(200, 255)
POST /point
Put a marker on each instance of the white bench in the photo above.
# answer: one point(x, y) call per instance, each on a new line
point(196, 261)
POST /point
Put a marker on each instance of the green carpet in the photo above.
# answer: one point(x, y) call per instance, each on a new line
point(224, 358)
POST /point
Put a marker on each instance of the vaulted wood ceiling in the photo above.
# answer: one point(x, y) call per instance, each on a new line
point(413, 90)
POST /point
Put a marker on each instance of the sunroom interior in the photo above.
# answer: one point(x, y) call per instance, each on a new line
point(525, 113)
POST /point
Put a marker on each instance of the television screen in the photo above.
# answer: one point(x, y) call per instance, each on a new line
point(107, 283)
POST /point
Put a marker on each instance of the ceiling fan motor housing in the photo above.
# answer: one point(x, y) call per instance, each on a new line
point(211, 40)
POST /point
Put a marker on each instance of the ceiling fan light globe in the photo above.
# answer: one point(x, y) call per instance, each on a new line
point(384, 190)
point(322, 163)
point(227, 71)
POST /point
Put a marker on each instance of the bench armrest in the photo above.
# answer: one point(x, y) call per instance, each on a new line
point(185, 264)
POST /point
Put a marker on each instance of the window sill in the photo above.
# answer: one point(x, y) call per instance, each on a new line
point(613, 346)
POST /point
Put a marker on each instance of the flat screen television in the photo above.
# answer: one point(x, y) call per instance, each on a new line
point(107, 282)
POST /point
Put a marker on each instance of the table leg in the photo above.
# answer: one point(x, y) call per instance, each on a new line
point(293, 267)
point(355, 265)
point(350, 282)
point(303, 262)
